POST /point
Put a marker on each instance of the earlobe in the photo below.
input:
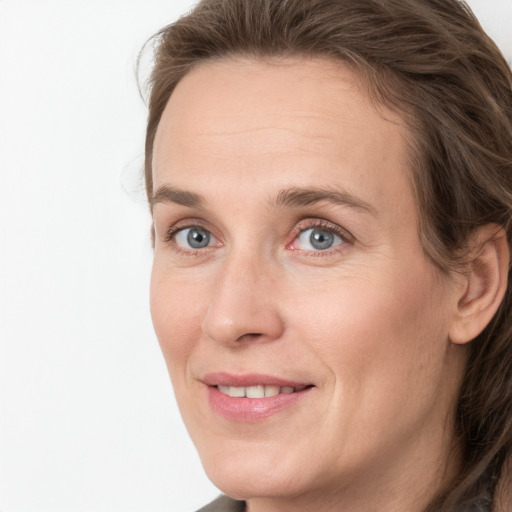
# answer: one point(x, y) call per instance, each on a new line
point(485, 280)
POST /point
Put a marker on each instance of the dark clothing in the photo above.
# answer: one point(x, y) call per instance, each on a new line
point(224, 504)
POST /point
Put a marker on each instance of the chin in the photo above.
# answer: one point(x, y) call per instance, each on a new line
point(243, 474)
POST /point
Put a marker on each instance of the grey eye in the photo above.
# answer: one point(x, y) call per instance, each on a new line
point(318, 239)
point(193, 238)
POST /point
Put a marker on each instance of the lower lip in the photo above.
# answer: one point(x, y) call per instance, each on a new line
point(252, 409)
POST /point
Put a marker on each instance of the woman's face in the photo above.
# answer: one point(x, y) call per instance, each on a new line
point(287, 256)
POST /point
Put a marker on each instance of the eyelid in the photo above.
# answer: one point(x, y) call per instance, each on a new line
point(319, 223)
point(190, 223)
point(185, 224)
point(301, 226)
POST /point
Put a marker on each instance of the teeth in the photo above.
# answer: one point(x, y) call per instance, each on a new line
point(237, 392)
point(271, 390)
point(223, 389)
point(255, 391)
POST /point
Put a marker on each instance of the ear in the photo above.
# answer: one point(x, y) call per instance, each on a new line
point(485, 282)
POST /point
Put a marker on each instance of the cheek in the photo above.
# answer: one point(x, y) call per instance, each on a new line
point(176, 311)
point(382, 337)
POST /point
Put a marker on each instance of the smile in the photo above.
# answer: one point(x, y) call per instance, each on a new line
point(260, 391)
point(252, 398)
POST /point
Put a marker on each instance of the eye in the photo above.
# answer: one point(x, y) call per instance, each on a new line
point(317, 239)
point(193, 238)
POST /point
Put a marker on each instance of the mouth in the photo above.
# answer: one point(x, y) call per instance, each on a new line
point(259, 391)
point(251, 398)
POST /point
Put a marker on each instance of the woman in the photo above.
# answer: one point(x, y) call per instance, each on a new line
point(331, 188)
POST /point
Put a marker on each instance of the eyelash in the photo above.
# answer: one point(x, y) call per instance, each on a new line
point(303, 226)
point(170, 235)
point(307, 224)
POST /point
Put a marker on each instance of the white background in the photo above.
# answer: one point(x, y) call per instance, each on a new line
point(87, 417)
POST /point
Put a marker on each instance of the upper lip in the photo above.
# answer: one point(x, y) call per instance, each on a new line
point(249, 379)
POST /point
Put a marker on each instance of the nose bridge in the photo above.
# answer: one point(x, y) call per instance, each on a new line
point(243, 305)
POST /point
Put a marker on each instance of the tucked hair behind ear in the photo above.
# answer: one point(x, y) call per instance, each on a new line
point(431, 61)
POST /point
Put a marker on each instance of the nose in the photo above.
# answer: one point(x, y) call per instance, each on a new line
point(244, 304)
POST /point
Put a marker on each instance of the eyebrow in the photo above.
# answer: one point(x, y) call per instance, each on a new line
point(295, 197)
point(301, 197)
point(168, 194)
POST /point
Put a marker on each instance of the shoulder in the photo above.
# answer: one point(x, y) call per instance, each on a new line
point(224, 504)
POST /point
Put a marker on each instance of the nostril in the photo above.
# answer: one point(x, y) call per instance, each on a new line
point(250, 336)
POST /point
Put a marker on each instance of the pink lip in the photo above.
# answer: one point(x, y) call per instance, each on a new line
point(251, 409)
point(251, 379)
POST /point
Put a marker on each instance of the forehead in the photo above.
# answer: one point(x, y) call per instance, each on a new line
point(310, 121)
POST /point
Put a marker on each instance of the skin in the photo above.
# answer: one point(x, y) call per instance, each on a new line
point(366, 321)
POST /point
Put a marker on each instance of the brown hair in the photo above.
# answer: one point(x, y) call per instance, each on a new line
point(431, 61)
